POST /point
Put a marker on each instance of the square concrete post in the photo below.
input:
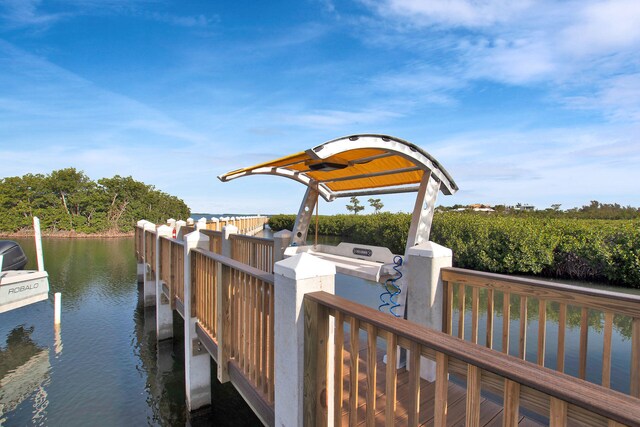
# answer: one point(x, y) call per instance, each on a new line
point(281, 241)
point(149, 287)
point(141, 268)
point(294, 277)
point(227, 231)
point(201, 224)
point(190, 221)
point(425, 291)
point(180, 229)
point(197, 368)
point(164, 313)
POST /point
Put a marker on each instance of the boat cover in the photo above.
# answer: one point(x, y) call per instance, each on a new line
point(13, 256)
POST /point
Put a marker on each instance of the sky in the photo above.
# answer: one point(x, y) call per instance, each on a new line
point(534, 102)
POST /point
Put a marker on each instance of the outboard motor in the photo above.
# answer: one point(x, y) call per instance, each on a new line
point(12, 255)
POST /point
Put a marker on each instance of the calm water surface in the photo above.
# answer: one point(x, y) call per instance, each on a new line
point(101, 368)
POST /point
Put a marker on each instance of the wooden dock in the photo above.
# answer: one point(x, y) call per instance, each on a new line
point(239, 312)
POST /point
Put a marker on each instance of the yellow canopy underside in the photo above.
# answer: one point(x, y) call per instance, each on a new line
point(388, 171)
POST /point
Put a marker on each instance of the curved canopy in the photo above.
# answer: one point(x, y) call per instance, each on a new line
point(356, 165)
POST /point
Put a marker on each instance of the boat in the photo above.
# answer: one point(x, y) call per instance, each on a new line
point(19, 287)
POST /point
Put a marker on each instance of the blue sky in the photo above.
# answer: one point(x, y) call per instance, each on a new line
point(521, 101)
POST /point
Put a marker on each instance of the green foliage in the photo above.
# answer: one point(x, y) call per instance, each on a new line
point(376, 204)
point(355, 205)
point(584, 249)
point(69, 200)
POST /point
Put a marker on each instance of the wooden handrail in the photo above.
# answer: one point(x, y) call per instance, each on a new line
point(594, 398)
point(623, 303)
point(235, 265)
point(605, 304)
point(250, 238)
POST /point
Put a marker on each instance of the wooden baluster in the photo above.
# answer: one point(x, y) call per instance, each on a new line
point(371, 374)
point(511, 415)
point(584, 338)
point(447, 311)
point(461, 304)
point(353, 372)
point(338, 370)
point(414, 384)
point(392, 379)
point(606, 350)
point(562, 327)
point(271, 344)
point(522, 347)
point(475, 309)
point(506, 319)
point(558, 413)
point(316, 324)
point(542, 330)
point(489, 338)
point(473, 396)
point(442, 387)
point(635, 357)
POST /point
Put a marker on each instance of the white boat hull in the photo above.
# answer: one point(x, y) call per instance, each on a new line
point(22, 287)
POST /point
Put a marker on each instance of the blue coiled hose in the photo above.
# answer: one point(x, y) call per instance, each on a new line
point(391, 289)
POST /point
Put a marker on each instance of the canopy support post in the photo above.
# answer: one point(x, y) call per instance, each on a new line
point(423, 210)
point(305, 214)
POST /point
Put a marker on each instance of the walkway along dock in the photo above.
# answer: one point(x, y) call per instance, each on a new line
point(269, 319)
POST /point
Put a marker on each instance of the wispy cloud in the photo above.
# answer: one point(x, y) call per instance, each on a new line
point(26, 13)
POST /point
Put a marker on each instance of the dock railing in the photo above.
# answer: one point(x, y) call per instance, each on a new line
point(281, 349)
point(564, 399)
point(469, 293)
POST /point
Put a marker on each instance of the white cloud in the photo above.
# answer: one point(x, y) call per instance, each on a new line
point(337, 118)
point(466, 13)
point(602, 27)
point(21, 13)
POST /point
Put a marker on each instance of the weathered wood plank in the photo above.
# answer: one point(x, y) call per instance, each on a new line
point(414, 385)
point(371, 374)
point(473, 396)
point(542, 331)
point(489, 337)
point(511, 416)
point(606, 350)
point(391, 379)
point(442, 383)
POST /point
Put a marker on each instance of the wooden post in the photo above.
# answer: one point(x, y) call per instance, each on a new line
point(164, 313)
point(425, 291)
point(149, 289)
point(197, 368)
point(294, 277)
point(223, 320)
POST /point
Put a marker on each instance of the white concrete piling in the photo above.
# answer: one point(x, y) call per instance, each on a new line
point(57, 307)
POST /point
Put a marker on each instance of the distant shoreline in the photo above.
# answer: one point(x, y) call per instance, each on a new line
point(67, 235)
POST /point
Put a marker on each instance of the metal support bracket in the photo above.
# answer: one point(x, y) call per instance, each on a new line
point(423, 212)
point(197, 348)
point(301, 226)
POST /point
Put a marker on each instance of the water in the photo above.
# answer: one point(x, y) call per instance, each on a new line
point(102, 368)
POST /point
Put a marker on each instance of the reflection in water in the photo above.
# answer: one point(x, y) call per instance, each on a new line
point(24, 369)
point(109, 371)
